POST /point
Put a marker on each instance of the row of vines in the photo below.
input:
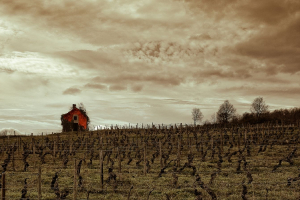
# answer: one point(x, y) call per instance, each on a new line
point(155, 163)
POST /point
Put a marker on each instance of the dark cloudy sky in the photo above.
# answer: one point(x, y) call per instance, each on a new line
point(144, 61)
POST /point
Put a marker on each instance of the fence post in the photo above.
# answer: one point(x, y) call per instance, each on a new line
point(86, 145)
point(101, 169)
point(34, 163)
point(178, 150)
point(101, 143)
point(75, 185)
point(222, 141)
point(145, 168)
point(239, 139)
point(190, 144)
point(3, 187)
point(54, 151)
point(42, 139)
point(245, 137)
point(252, 192)
point(71, 145)
point(19, 144)
point(40, 183)
point(13, 160)
point(180, 127)
point(119, 160)
point(32, 141)
point(160, 155)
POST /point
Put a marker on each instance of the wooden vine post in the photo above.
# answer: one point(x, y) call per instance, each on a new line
point(160, 155)
point(245, 137)
point(19, 144)
point(222, 141)
point(86, 146)
point(32, 141)
point(145, 160)
point(54, 151)
point(3, 187)
point(42, 139)
point(34, 163)
point(119, 163)
point(101, 169)
point(239, 139)
point(190, 144)
point(101, 143)
point(13, 160)
point(178, 149)
point(75, 182)
point(40, 183)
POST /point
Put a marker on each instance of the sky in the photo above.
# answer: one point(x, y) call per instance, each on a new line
point(132, 61)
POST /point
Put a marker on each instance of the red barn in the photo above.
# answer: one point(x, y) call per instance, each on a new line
point(75, 120)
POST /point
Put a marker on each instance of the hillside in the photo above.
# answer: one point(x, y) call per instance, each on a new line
point(179, 163)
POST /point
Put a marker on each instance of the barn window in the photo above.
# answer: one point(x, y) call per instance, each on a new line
point(75, 117)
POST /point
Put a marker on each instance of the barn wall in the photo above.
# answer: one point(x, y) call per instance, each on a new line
point(82, 119)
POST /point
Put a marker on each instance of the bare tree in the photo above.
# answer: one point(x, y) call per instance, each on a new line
point(197, 115)
point(225, 112)
point(82, 108)
point(259, 106)
point(213, 118)
point(207, 122)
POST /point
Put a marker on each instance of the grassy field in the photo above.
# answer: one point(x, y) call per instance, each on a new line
point(196, 163)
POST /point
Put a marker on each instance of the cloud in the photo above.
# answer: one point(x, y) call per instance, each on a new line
point(288, 92)
point(95, 86)
point(72, 91)
point(161, 51)
point(203, 36)
point(277, 48)
point(108, 22)
point(34, 63)
point(136, 88)
point(265, 32)
point(270, 12)
point(94, 60)
point(167, 79)
point(55, 105)
point(117, 87)
point(6, 70)
point(213, 7)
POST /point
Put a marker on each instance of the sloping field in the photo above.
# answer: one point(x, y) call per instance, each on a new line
point(177, 163)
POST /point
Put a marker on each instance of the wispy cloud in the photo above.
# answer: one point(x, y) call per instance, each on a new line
point(72, 91)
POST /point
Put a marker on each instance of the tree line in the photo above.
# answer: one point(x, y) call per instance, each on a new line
point(259, 113)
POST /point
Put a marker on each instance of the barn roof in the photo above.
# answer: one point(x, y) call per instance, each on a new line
point(76, 109)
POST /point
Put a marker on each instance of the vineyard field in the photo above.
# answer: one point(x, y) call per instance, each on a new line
point(257, 162)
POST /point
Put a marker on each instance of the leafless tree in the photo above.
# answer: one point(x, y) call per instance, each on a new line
point(213, 118)
point(197, 115)
point(225, 112)
point(259, 106)
point(236, 118)
point(207, 122)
